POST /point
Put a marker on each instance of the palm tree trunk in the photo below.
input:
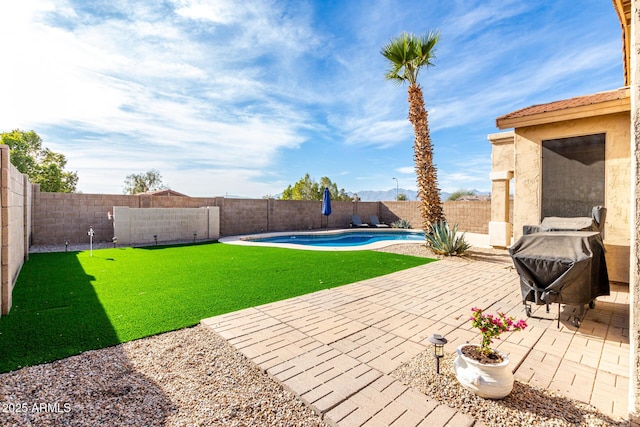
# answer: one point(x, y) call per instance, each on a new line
point(427, 179)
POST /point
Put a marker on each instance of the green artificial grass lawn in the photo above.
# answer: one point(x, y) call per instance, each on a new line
point(66, 303)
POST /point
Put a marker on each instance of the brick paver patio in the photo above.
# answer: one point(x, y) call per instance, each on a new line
point(336, 348)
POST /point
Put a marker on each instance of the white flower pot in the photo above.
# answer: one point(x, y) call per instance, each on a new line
point(491, 381)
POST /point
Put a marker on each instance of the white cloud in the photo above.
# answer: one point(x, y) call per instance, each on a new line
point(198, 88)
point(234, 182)
point(258, 26)
point(139, 84)
point(468, 20)
point(505, 92)
point(219, 12)
point(225, 182)
point(407, 169)
point(382, 134)
point(451, 182)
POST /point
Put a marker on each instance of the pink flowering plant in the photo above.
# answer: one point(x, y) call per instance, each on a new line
point(492, 326)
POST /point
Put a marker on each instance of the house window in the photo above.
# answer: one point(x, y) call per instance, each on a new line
point(572, 175)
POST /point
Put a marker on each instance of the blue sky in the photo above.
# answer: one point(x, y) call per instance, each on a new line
point(242, 98)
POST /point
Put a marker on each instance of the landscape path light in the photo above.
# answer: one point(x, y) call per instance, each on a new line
point(91, 233)
point(438, 342)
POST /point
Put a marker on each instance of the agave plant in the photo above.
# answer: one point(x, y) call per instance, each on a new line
point(401, 223)
point(443, 240)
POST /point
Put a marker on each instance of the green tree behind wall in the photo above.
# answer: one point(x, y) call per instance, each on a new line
point(308, 189)
point(43, 166)
point(143, 182)
point(457, 194)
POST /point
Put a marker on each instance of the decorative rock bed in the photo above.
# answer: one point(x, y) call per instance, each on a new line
point(526, 405)
point(187, 377)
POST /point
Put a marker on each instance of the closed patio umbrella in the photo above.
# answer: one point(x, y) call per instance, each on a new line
point(326, 204)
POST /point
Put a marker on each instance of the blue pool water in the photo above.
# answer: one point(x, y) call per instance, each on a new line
point(346, 238)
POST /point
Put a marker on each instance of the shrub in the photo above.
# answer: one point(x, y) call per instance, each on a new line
point(443, 240)
point(401, 223)
point(457, 194)
point(492, 326)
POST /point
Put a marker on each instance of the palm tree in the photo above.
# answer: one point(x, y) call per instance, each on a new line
point(407, 54)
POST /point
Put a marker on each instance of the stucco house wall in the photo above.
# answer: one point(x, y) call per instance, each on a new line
point(528, 169)
point(524, 158)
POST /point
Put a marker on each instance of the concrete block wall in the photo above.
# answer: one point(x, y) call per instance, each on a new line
point(58, 217)
point(471, 216)
point(407, 210)
point(365, 210)
point(14, 223)
point(243, 216)
point(177, 201)
point(304, 215)
point(342, 212)
point(15, 256)
point(67, 216)
point(28, 213)
point(63, 216)
point(148, 225)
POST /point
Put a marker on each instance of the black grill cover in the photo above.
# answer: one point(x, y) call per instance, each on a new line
point(554, 223)
point(561, 267)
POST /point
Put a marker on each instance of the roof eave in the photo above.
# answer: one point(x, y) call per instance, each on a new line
point(602, 108)
point(623, 9)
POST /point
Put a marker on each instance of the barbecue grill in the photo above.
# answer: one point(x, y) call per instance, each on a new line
point(562, 261)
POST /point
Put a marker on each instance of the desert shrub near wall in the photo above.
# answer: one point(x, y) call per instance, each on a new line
point(444, 240)
point(401, 223)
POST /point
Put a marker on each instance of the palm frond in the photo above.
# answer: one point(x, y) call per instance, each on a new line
point(408, 53)
point(395, 77)
point(427, 46)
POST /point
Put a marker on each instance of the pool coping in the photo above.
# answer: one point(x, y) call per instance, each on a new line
point(244, 239)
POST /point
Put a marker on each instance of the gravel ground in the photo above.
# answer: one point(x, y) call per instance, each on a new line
point(526, 406)
point(500, 256)
point(190, 377)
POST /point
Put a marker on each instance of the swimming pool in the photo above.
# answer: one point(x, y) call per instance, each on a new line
point(331, 240)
